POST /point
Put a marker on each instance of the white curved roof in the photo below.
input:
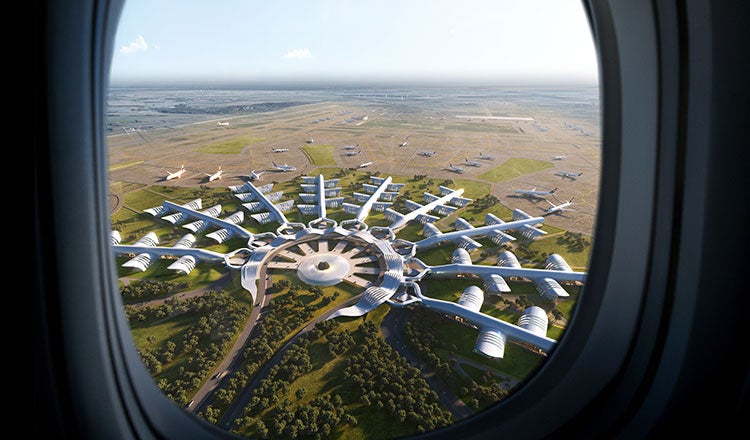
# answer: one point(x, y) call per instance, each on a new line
point(508, 259)
point(490, 343)
point(556, 262)
point(534, 319)
point(472, 298)
point(461, 256)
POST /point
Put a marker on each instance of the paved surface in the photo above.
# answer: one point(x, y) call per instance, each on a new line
point(233, 359)
point(240, 402)
point(216, 285)
point(392, 329)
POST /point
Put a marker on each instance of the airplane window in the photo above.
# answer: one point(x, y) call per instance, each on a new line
point(345, 220)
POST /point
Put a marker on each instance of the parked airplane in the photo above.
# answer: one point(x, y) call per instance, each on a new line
point(533, 193)
point(472, 163)
point(455, 169)
point(562, 207)
point(222, 124)
point(403, 144)
point(214, 176)
point(427, 153)
point(352, 153)
point(252, 176)
point(568, 174)
point(283, 168)
point(351, 147)
point(560, 157)
point(279, 150)
point(364, 165)
point(176, 175)
point(486, 156)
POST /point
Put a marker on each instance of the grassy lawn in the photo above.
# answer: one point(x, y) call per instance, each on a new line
point(125, 165)
point(326, 378)
point(116, 187)
point(514, 167)
point(230, 146)
point(577, 258)
point(202, 275)
point(161, 331)
point(320, 155)
point(472, 188)
point(449, 289)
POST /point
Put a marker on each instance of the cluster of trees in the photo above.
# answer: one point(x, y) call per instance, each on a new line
point(143, 289)
point(343, 172)
point(317, 419)
point(286, 314)
point(447, 182)
point(387, 381)
point(523, 302)
point(575, 241)
point(418, 177)
point(523, 251)
point(339, 342)
point(295, 362)
point(200, 346)
point(484, 202)
point(420, 333)
point(486, 392)
point(557, 315)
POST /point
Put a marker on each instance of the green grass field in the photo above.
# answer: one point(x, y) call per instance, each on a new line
point(578, 259)
point(325, 378)
point(202, 275)
point(517, 362)
point(230, 146)
point(514, 167)
point(321, 155)
point(125, 165)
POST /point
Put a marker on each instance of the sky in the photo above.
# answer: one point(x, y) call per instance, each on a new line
point(513, 41)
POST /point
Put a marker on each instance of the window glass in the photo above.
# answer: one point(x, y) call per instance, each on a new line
point(350, 220)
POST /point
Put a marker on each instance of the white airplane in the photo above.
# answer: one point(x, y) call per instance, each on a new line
point(533, 193)
point(283, 168)
point(351, 147)
point(472, 163)
point(214, 176)
point(560, 157)
point(562, 207)
point(352, 153)
point(222, 124)
point(568, 175)
point(455, 169)
point(176, 175)
point(427, 153)
point(279, 150)
point(403, 144)
point(486, 156)
point(310, 141)
point(364, 165)
point(252, 176)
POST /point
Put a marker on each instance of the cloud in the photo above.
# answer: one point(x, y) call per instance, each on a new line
point(298, 54)
point(137, 45)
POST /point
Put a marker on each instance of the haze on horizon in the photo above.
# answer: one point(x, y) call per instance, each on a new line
point(328, 41)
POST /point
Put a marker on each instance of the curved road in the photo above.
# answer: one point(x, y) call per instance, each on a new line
point(216, 285)
point(240, 402)
point(233, 360)
point(392, 329)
